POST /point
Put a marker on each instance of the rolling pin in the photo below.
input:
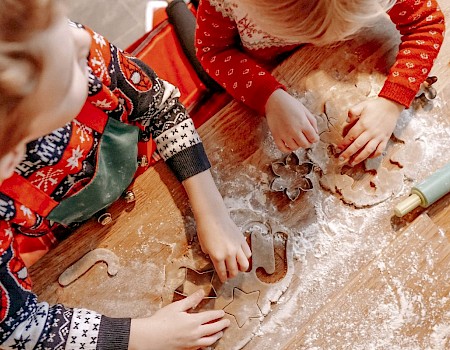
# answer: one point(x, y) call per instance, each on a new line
point(427, 192)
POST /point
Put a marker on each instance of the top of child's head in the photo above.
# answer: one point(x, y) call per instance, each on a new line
point(43, 74)
point(320, 22)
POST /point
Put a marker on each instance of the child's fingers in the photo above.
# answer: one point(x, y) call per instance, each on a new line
point(232, 267)
point(214, 327)
point(365, 152)
point(352, 134)
point(357, 144)
point(312, 119)
point(210, 340)
point(191, 301)
point(299, 140)
point(311, 131)
point(311, 134)
point(246, 249)
point(242, 261)
point(282, 146)
point(221, 270)
point(292, 142)
point(380, 149)
point(207, 317)
point(355, 112)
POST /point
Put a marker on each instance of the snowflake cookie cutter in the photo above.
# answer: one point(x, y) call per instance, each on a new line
point(291, 176)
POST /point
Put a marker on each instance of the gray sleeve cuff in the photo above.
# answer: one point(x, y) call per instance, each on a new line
point(114, 333)
point(189, 162)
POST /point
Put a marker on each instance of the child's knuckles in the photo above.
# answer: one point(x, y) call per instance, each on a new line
point(221, 272)
point(358, 144)
point(218, 257)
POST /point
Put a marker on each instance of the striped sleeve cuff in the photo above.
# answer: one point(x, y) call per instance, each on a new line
point(189, 162)
point(114, 333)
point(397, 93)
point(182, 150)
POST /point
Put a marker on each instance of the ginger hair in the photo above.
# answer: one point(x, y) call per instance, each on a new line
point(20, 67)
point(318, 22)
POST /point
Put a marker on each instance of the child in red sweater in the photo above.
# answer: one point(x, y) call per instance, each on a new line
point(72, 110)
point(236, 40)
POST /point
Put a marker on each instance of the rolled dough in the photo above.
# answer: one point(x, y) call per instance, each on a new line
point(374, 180)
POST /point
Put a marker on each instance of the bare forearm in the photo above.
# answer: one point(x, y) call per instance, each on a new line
point(203, 194)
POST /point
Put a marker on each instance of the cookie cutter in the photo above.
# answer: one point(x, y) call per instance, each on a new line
point(291, 176)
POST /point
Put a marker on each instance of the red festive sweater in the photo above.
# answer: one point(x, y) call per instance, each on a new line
point(234, 51)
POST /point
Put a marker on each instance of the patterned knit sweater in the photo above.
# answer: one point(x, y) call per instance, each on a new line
point(234, 51)
point(62, 163)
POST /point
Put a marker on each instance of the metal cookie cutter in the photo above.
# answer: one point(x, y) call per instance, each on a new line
point(427, 92)
point(197, 280)
point(291, 176)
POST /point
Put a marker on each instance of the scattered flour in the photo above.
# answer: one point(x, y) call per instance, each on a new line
point(333, 241)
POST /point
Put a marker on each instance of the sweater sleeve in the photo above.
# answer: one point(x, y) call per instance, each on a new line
point(26, 323)
point(130, 91)
point(218, 47)
point(167, 121)
point(421, 25)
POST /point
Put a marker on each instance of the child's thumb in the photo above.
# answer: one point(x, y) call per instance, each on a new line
point(192, 300)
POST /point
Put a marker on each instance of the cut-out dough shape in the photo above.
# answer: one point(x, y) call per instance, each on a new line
point(291, 176)
point(86, 262)
point(196, 280)
point(409, 149)
point(369, 183)
point(249, 289)
point(244, 306)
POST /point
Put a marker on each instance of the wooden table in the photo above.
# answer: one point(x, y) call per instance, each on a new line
point(384, 287)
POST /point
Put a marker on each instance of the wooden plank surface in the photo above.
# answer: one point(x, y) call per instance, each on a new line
point(363, 279)
point(388, 304)
point(143, 239)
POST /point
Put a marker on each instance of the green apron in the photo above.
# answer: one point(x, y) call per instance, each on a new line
point(117, 162)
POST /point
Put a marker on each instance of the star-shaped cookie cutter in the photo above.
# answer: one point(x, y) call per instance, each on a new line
point(291, 176)
point(195, 280)
point(244, 306)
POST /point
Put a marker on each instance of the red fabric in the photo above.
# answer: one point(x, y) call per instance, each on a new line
point(31, 249)
point(233, 50)
point(86, 117)
point(237, 70)
point(421, 24)
point(19, 188)
point(162, 51)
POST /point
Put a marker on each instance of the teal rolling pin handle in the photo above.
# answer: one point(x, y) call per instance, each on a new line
point(427, 192)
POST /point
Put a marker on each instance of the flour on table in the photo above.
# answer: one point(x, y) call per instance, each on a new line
point(246, 298)
point(334, 237)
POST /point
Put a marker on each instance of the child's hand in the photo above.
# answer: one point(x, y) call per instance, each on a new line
point(174, 328)
point(224, 243)
point(370, 125)
point(218, 235)
point(291, 123)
